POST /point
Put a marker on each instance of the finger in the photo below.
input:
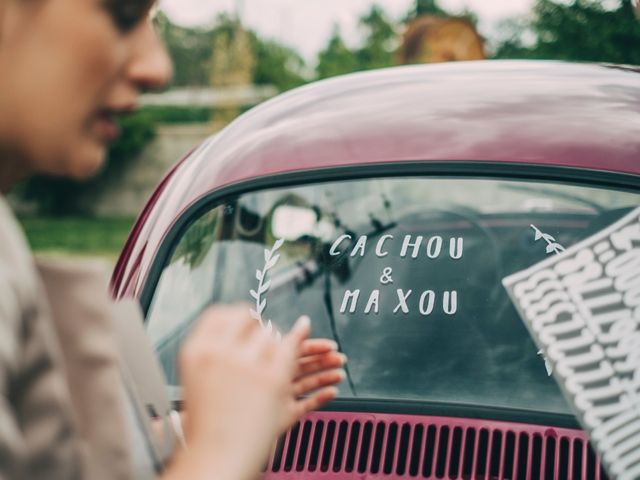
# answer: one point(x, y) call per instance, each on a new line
point(317, 381)
point(298, 334)
point(317, 363)
point(315, 401)
point(301, 330)
point(316, 346)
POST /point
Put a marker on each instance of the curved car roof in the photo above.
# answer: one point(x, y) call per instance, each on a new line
point(541, 113)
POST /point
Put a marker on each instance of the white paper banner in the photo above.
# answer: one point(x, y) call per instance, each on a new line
point(583, 309)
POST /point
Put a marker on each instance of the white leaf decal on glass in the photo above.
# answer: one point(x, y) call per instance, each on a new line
point(552, 245)
point(261, 306)
point(270, 261)
point(264, 288)
point(538, 233)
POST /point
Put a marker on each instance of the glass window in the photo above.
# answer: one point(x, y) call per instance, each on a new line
point(404, 273)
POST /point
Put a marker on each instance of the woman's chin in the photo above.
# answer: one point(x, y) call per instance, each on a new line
point(86, 162)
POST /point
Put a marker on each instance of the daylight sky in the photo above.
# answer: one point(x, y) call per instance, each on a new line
point(307, 24)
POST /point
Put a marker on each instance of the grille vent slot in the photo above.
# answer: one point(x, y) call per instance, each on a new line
point(400, 446)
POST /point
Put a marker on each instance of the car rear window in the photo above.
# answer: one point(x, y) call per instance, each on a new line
point(404, 273)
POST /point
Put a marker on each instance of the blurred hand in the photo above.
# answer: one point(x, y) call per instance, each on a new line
point(318, 371)
point(240, 383)
point(238, 388)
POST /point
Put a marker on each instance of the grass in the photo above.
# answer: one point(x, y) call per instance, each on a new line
point(77, 236)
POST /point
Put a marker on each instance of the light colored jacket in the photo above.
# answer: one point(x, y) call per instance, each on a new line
point(61, 409)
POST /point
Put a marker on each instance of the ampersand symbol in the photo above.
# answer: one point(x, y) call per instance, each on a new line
point(386, 279)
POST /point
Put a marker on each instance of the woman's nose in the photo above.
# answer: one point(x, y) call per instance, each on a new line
point(150, 67)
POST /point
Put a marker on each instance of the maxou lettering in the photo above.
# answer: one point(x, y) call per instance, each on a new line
point(583, 309)
point(426, 302)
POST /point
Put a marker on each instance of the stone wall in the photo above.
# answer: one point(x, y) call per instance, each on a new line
point(127, 194)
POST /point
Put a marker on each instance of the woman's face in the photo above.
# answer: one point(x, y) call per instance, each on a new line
point(67, 69)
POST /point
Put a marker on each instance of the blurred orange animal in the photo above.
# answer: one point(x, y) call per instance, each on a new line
point(432, 39)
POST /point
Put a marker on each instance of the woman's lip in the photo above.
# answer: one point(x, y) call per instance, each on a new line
point(124, 108)
point(107, 127)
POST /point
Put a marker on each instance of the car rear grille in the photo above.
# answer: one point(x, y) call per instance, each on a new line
point(363, 445)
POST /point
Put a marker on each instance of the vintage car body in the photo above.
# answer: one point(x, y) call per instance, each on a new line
point(532, 121)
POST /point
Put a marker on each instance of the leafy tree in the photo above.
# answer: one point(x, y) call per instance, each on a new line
point(277, 64)
point(336, 58)
point(376, 50)
point(192, 52)
point(261, 61)
point(233, 56)
point(580, 31)
point(431, 7)
point(189, 49)
point(470, 15)
point(379, 44)
point(428, 7)
point(511, 39)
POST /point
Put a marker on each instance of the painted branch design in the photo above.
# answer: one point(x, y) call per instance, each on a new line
point(552, 245)
point(271, 258)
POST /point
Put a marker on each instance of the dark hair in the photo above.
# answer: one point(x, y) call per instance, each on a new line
point(127, 14)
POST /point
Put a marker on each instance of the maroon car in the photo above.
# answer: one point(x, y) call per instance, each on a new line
point(388, 206)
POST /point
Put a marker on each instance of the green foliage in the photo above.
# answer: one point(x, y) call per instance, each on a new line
point(470, 15)
point(197, 240)
point(511, 44)
point(61, 196)
point(376, 51)
point(172, 114)
point(582, 30)
point(77, 235)
point(233, 56)
point(336, 58)
point(380, 35)
point(277, 64)
point(189, 49)
point(428, 7)
point(138, 130)
point(432, 7)
point(192, 52)
point(273, 63)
